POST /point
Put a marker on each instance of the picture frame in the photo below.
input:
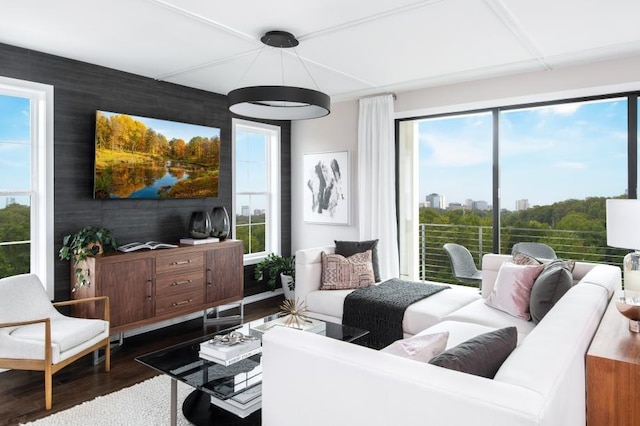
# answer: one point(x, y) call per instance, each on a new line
point(327, 195)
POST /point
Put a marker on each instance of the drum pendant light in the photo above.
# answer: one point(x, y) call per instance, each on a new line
point(279, 102)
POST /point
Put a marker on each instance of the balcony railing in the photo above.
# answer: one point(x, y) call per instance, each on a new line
point(434, 265)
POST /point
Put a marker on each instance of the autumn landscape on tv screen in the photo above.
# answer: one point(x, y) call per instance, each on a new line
point(140, 157)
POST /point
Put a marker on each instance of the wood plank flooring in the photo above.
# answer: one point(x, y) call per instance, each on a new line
point(22, 392)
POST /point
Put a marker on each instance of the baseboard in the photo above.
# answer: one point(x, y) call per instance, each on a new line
point(161, 324)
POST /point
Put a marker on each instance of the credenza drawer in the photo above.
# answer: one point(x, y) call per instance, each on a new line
point(179, 262)
point(169, 285)
point(183, 301)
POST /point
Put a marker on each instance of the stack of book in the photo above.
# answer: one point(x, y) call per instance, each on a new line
point(228, 354)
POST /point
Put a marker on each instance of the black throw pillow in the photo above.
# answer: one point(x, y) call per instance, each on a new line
point(349, 248)
point(482, 355)
point(552, 283)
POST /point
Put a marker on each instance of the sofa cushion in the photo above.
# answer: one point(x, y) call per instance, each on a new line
point(552, 283)
point(482, 355)
point(349, 248)
point(419, 348)
point(67, 333)
point(340, 273)
point(329, 303)
point(479, 313)
point(512, 290)
point(431, 310)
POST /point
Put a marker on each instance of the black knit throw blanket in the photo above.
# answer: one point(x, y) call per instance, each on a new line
point(380, 309)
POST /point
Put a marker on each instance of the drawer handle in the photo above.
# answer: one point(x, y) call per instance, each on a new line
point(180, 282)
point(184, 302)
point(181, 262)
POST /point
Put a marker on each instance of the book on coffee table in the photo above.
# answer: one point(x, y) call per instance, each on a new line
point(227, 354)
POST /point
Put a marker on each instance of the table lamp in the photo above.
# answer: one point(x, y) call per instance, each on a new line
point(623, 230)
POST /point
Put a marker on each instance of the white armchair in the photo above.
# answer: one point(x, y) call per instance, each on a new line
point(35, 336)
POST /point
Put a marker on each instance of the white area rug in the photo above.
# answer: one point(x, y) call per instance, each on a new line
point(147, 403)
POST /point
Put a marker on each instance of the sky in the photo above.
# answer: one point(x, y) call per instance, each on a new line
point(15, 151)
point(547, 154)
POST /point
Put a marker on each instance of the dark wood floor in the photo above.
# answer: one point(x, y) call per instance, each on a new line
point(22, 392)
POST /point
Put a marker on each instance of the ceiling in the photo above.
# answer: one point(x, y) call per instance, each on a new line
point(351, 48)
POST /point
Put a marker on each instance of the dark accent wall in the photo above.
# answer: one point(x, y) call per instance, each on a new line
point(79, 90)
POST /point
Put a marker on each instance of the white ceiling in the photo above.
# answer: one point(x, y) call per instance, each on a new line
point(351, 48)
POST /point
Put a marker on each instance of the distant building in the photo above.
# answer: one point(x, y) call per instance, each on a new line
point(480, 205)
point(246, 210)
point(522, 204)
point(455, 206)
point(435, 201)
point(258, 212)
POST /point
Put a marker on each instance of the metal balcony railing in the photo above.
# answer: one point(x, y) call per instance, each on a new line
point(588, 246)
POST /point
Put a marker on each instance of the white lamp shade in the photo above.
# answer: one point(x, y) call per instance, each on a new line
point(623, 223)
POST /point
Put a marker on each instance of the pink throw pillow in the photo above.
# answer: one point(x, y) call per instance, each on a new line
point(419, 348)
point(512, 290)
point(343, 273)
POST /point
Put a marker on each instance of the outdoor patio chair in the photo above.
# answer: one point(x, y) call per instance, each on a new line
point(535, 250)
point(462, 263)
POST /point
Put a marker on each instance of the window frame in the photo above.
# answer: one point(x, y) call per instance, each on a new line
point(403, 155)
point(273, 211)
point(41, 192)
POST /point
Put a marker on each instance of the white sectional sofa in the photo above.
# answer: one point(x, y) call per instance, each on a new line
point(313, 380)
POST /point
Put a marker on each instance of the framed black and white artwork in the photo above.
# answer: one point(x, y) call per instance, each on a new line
point(326, 188)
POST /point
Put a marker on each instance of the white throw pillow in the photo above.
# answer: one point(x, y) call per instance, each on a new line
point(419, 348)
point(512, 291)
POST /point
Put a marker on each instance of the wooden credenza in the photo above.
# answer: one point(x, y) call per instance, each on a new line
point(613, 373)
point(154, 285)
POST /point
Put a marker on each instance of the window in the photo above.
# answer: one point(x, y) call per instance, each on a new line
point(26, 180)
point(557, 165)
point(453, 203)
point(256, 149)
point(491, 178)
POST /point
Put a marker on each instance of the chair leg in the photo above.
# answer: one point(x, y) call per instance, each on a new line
point(107, 357)
point(48, 381)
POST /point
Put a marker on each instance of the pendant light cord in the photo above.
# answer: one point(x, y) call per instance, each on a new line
point(250, 66)
point(306, 69)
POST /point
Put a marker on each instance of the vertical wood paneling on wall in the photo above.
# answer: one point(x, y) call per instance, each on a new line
point(79, 90)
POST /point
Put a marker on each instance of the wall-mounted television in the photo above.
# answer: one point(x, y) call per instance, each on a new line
point(140, 157)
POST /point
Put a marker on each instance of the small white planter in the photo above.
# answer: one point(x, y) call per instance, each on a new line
point(286, 280)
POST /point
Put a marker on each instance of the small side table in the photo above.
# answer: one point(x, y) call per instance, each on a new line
point(613, 372)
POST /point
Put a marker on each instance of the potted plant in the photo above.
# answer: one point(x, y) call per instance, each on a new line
point(275, 266)
point(87, 242)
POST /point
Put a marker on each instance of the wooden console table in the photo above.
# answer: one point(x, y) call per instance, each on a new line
point(148, 286)
point(613, 373)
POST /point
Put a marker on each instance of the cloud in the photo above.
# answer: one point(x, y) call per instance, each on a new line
point(446, 151)
point(571, 165)
point(561, 109)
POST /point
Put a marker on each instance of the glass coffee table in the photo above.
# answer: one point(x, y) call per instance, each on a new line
point(225, 395)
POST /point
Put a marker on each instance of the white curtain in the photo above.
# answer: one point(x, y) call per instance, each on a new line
point(377, 180)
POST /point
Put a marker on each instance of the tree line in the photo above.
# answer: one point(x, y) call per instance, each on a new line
point(125, 134)
point(575, 229)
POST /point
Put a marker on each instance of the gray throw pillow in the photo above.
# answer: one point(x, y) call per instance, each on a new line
point(482, 355)
point(349, 248)
point(552, 283)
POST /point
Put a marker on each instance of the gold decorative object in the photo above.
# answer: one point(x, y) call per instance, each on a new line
point(295, 313)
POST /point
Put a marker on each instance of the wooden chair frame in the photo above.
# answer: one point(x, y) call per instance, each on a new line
point(46, 365)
